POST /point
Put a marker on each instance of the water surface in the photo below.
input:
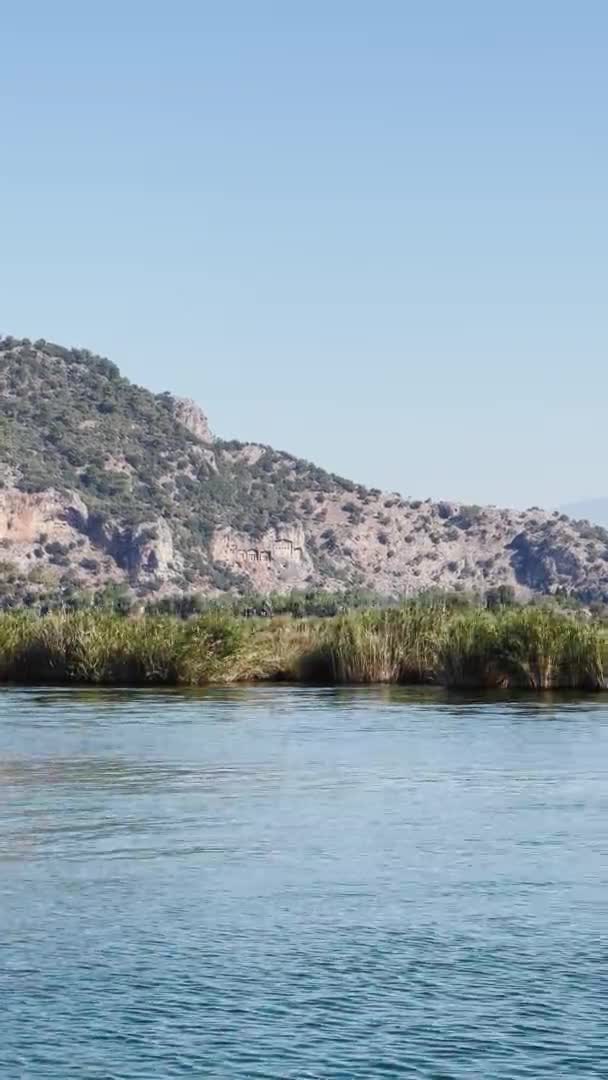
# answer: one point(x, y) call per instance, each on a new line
point(283, 882)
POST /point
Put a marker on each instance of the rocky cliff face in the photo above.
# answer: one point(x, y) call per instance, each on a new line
point(278, 559)
point(25, 517)
point(192, 417)
point(53, 531)
point(104, 482)
point(137, 550)
point(397, 547)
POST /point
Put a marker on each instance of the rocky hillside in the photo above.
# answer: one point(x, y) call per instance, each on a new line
point(106, 484)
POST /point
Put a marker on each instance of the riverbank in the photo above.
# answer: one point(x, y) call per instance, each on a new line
point(528, 648)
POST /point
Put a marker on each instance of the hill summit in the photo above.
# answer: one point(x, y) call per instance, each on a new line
point(105, 484)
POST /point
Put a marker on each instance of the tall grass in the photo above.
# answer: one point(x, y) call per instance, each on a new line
point(468, 656)
point(419, 643)
point(397, 646)
point(108, 649)
point(541, 650)
point(528, 648)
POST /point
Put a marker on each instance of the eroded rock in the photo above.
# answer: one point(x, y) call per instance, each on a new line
point(188, 413)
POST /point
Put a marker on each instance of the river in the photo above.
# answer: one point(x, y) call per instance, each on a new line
point(279, 882)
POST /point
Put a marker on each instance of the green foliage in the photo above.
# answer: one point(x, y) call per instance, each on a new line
point(502, 596)
point(432, 642)
point(299, 604)
point(533, 648)
point(540, 649)
point(367, 647)
point(71, 422)
point(468, 653)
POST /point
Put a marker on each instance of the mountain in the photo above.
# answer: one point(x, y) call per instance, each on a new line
point(594, 510)
point(107, 485)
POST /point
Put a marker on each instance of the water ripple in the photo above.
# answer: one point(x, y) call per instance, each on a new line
point(283, 882)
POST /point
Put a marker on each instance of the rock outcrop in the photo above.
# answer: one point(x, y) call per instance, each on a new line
point(278, 558)
point(139, 550)
point(188, 413)
point(25, 516)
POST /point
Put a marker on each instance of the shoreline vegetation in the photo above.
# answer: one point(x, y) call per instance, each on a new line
point(531, 648)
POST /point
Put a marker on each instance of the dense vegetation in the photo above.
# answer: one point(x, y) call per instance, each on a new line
point(533, 648)
point(134, 502)
point(299, 603)
point(71, 421)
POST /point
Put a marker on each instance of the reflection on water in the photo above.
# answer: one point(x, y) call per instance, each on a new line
point(298, 882)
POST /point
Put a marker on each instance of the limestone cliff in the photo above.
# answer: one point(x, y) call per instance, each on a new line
point(54, 531)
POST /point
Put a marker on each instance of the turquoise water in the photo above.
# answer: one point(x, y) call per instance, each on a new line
point(295, 883)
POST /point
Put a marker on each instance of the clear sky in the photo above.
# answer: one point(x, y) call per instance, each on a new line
point(372, 233)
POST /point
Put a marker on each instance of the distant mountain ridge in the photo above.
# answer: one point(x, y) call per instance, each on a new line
point(107, 484)
point(593, 510)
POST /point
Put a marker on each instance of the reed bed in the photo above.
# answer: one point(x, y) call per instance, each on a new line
point(523, 648)
point(397, 646)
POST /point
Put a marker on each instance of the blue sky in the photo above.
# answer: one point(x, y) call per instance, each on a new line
point(374, 234)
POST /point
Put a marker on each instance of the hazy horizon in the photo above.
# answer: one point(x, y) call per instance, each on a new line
point(375, 239)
